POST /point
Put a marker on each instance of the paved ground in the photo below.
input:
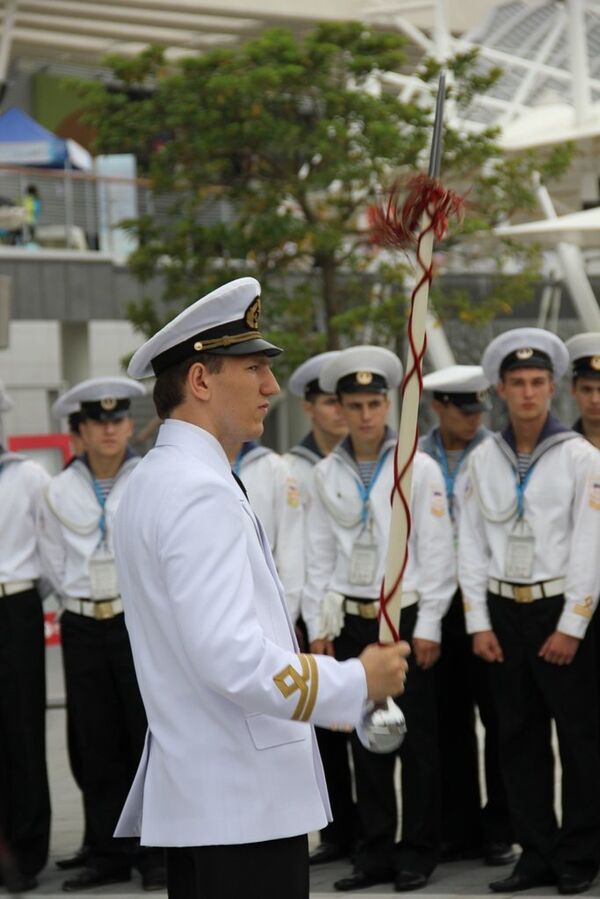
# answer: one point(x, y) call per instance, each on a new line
point(465, 879)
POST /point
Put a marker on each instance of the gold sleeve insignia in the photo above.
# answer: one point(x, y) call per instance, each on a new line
point(585, 608)
point(594, 499)
point(306, 682)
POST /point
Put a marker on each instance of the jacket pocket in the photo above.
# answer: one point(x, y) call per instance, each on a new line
point(267, 732)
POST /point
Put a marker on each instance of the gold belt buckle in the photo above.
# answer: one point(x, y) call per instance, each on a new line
point(367, 609)
point(103, 610)
point(522, 593)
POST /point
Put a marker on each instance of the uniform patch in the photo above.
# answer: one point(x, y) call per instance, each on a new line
point(585, 608)
point(293, 494)
point(594, 498)
point(438, 503)
point(466, 605)
point(306, 681)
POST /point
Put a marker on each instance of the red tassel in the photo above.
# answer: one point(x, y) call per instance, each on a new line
point(396, 223)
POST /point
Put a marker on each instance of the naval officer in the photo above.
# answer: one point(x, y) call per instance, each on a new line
point(458, 399)
point(347, 534)
point(230, 780)
point(105, 710)
point(24, 795)
point(530, 575)
point(328, 428)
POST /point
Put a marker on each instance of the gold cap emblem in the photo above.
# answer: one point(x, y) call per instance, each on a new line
point(525, 353)
point(482, 395)
point(364, 377)
point(108, 403)
point(595, 363)
point(252, 316)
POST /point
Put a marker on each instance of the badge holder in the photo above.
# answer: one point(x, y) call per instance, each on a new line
point(520, 552)
point(363, 561)
point(103, 574)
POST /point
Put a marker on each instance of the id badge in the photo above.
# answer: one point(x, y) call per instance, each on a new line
point(520, 551)
point(363, 561)
point(103, 575)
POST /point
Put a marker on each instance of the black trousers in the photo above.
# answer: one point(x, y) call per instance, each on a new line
point(24, 794)
point(462, 683)
point(419, 847)
point(108, 725)
point(275, 869)
point(333, 747)
point(529, 693)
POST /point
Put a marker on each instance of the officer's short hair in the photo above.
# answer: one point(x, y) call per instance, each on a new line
point(169, 387)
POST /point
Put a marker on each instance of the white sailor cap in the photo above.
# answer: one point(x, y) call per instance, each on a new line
point(103, 399)
point(225, 322)
point(361, 369)
point(525, 348)
point(6, 402)
point(304, 381)
point(584, 353)
point(465, 386)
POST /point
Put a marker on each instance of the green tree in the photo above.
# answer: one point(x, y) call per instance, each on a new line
point(295, 138)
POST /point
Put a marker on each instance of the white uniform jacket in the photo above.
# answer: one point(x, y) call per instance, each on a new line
point(334, 524)
point(69, 525)
point(22, 485)
point(562, 509)
point(230, 757)
point(275, 499)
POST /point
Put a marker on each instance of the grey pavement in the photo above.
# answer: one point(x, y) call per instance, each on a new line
point(459, 879)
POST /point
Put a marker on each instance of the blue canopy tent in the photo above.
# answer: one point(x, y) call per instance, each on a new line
point(25, 142)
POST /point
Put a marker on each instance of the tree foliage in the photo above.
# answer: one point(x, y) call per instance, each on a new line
point(293, 138)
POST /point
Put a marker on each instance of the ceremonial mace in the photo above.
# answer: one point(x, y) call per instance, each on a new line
point(422, 217)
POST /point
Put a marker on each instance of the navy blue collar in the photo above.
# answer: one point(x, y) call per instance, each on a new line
point(552, 427)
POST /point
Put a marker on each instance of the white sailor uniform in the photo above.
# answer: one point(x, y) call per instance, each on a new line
point(524, 581)
point(26, 801)
point(341, 597)
point(105, 709)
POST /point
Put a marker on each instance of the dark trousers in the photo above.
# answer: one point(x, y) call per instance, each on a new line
point(108, 725)
point(462, 683)
point(333, 747)
point(419, 847)
point(24, 795)
point(529, 693)
point(275, 869)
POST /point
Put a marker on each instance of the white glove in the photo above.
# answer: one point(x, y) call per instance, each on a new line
point(332, 615)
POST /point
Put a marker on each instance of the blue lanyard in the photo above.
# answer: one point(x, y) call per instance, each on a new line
point(365, 492)
point(449, 476)
point(102, 500)
point(521, 485)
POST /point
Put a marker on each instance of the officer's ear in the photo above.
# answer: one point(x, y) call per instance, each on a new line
point(197, 381)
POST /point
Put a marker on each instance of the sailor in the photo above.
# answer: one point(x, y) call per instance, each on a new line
point(584, 352)
point(347, 534)
point(530, 574)
point(24, 795)
point(230, 780)
point(328, 428)
point(275, 499)
point(459, 398)
point(104, 704)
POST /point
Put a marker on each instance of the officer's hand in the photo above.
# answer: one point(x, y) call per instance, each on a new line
point(559, 649)
point(427, 652)
point(322, 647)
point(486, 646)
point(385, 667)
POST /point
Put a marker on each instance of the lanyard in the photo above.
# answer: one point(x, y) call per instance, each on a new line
point(521, 485)
point(102, 501)
point(365, 492)
point(449, 476)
